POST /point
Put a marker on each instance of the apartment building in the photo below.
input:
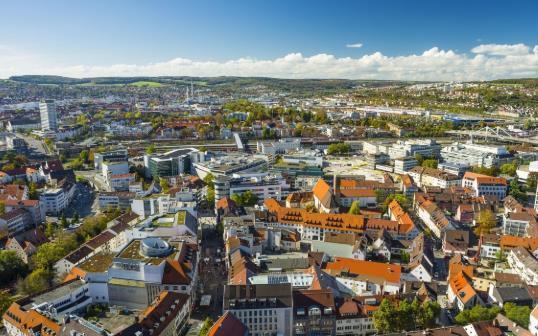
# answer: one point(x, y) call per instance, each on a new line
point(424, 177)
point(522, 262)
point(485, 185)
point(263, 309)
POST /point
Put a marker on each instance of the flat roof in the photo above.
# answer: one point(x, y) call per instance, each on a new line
point(97, 263)
point(52, 294)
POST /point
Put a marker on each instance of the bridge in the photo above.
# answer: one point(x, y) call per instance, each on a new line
point(496, 133)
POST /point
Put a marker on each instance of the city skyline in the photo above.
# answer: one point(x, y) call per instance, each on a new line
point(367, 40)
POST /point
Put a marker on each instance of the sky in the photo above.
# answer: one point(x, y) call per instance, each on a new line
point(377, 39)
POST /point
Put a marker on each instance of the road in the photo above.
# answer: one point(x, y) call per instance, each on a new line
point(34, 144)
point(94, 177)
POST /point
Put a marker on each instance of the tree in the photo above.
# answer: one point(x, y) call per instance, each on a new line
point(385, 318)
point(532, 180)
point(518, 314)
point(5, 302)
point(430, 163)
point(485, 222)
point(428, 313)
point(47, 254)
point(245, 199)
point(516, 192)
point(206, 325)
point(209, 179)
point(509, 168)
point(355, 208)
point(32, 191)
point(476, 314)
point(338, 148)
point(2, 208)
point(165, 186)
point(64, 221)
point(11, 267)
point(83, 156)
point(39, 280)
point(150, 149)
point(210, 197)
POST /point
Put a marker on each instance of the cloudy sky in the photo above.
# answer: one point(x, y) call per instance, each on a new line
point(417, 40)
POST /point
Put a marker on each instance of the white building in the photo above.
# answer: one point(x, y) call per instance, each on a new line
point(522, 262)
point(472, 154)
point(54, 200)
point(47, 111)
point(485, 185)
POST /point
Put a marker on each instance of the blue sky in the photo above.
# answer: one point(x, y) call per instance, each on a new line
point(56, 35)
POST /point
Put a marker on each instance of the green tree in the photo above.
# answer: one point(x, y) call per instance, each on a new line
point(64, 221)
point(509, 168)
point(355, 208)
point(2, 208)
point(338, 148)
point(84, 156)
point(476, 314)
point(47, 254)
point(11, 267)
point(5, 302)
point(150, 149)
point(165, 186)
point(386, 317)
point(518, 314)
point(516, 192)
point(37, 281)
point(429, 311)
point(485, 222)
point(209, 179)
point(532, 181)
point(430, 163)
point(210, 197)
point(32, 191)
point(206, 326)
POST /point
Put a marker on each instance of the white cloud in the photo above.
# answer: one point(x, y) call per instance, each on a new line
point(354, 45)
point(485, 62)
point(501, 49)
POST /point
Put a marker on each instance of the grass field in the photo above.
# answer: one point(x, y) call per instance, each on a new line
point(146, 84)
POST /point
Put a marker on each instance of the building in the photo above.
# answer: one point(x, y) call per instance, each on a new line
point(49, 119)
point(227, 325)
point(434, 218)
point(424, 147)
point(404, 164)
point(17, 124)
point(485, 185)
point(263, 185)
point(359, 277)
point(15, 221)
point(15, 143)
point(120, 155)
point(424, 177)
point(228, 165)
point(461, 293)
point(115, 199)
point(525, 264)
point(167, 315)
point(314, 312)
point(54, 201)
point(172, 163)
point(263, 309)
point(520, 224)
point(471, 154)
point(533, 321)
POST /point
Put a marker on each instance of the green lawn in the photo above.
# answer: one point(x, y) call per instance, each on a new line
point(146, 84)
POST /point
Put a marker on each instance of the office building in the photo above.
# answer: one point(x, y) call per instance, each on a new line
point(49, 119)
point(227, 165)
point(172, 163)
point(426, 148)
point(485, 185)
point(471, 154)
point(263, 185)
